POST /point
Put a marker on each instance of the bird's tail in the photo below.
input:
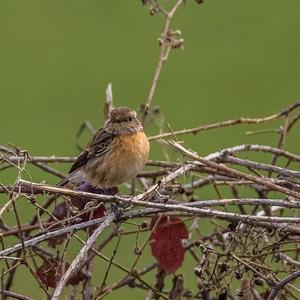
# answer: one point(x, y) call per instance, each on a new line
point(76, 177)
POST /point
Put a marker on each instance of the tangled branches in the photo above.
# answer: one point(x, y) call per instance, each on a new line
point(240, 243)
point(257, 245)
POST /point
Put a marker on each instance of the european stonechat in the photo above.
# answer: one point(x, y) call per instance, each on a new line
point(116, 152)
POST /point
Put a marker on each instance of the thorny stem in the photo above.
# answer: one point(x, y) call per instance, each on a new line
point(103, 284)
point(280, 285)
point(227, 123)
point(233, 171)
point(134, 274)
point(262, 242)
point(81, 256)
point(165, 49)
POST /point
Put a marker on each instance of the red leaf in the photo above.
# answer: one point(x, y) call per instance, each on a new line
point(62, 211)
point(80, 202)
point(166, 243)
point(51, 272)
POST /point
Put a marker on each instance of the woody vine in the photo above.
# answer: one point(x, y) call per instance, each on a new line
point(249, 249)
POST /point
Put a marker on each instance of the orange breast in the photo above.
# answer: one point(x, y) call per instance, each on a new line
point(133, 147)
point(126, 158)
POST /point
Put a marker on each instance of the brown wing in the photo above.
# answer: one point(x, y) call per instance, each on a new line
point(98, 146)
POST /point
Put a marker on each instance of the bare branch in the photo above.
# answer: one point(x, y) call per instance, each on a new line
point(165, 48)
point(281, 284)
point(238, 121)
point(81, 256)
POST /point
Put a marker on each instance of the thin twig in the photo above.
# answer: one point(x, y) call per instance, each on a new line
point(165, 49)
point(81, 256)
point(227, 123)
point(281, 284)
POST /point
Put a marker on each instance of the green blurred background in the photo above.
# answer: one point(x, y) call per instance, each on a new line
point(240, 58)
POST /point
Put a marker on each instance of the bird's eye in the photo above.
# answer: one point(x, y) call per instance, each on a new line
point(130, 119)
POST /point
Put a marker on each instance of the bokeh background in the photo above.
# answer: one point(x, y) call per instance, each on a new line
point(240, 58)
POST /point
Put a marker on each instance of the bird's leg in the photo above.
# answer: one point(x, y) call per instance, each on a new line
point(117, 208)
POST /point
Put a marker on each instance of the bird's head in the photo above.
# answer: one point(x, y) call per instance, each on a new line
point(123, 121)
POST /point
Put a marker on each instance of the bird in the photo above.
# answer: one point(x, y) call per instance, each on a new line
point(116, 152)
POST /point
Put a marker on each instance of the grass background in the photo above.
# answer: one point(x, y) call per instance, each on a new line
point(241, 58)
